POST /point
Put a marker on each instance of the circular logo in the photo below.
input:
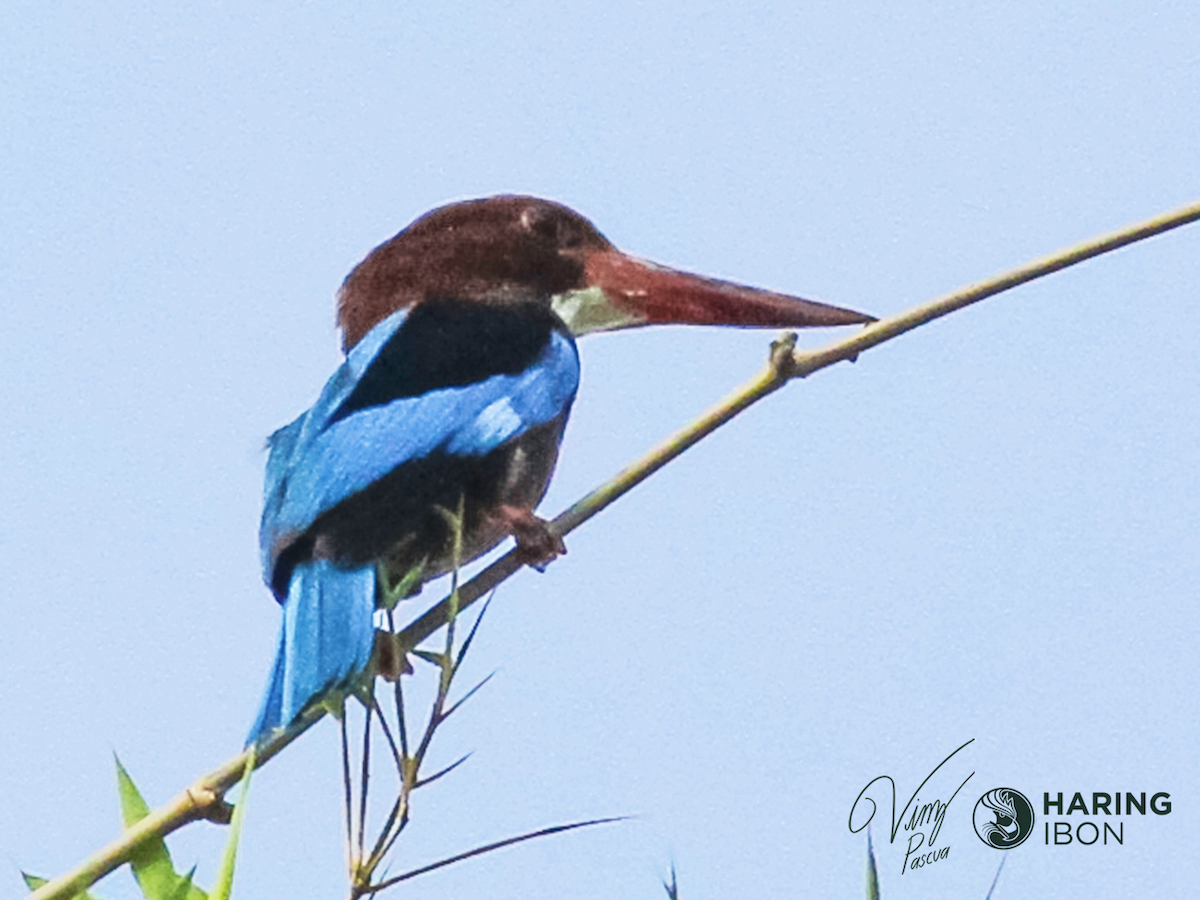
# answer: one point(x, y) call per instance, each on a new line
point(1003, 818)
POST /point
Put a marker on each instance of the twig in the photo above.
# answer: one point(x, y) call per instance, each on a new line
point(488, 848)
point(205, 796)
point(347, 794)
point(364, 780)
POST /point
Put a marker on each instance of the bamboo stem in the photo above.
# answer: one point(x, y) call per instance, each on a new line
point(205, 798)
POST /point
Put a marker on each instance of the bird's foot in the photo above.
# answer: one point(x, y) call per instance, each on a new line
point(390, 661)
point(537, 545)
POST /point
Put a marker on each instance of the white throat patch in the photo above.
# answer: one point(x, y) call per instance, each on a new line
point(589, 310)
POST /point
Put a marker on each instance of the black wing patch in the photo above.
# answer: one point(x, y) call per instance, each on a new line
point(451, 343)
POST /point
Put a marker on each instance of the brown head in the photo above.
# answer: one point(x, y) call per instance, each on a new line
point(514, 247)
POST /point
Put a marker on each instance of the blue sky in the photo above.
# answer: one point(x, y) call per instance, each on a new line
point(987, 529)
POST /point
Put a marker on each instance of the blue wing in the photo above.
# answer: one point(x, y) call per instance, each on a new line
point(286, 445)
point(322, 458)
point(315, 464)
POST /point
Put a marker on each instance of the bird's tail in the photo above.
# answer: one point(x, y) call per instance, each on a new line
point(326, 639)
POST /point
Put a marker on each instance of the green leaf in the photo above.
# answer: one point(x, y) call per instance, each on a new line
point(872, 875)
point(151, 863)
point(392, 593)
point(224, 884)
point(33, 882)
point(185, 890)
point(133, 807)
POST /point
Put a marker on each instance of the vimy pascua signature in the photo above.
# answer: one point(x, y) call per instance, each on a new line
point(922, 820)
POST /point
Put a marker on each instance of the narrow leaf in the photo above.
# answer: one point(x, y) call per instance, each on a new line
point(224, 885)
point(672, 886)
point(185, 890)
point(151, 863)
point(462, 651)
point(436, 658)
point(999, 869)
point(133, 807)
point(467, 696)
point(391, 594)
point(436, 775)
point(872, 874)
point(488, 848)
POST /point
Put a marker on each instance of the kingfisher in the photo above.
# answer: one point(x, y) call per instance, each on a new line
point(459, 374)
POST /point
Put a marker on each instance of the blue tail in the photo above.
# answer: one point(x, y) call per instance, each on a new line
point(327, 638)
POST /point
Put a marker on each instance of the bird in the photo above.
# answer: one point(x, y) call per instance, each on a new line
point(436, 438)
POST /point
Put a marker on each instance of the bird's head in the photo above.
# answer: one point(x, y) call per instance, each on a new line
point(507, 248)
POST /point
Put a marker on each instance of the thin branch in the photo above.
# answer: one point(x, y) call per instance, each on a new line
point(488, 848)
point(364, 780)
point(779, 371)
point(397, 818)
point(440, 772)
point(348, 791)
point(466, 645)
point(387, 733)
point(398, 690)
point(205, 796)
point(465, 697)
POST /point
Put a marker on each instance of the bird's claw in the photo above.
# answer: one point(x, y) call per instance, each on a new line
point(537, 544)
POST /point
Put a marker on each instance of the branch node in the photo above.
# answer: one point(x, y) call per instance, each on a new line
point(782, 358)
point(210, 805)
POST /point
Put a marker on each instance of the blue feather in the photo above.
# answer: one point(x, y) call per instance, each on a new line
point(313, 468)
point(326, 640)
point(321, 459)
point(287, 444)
